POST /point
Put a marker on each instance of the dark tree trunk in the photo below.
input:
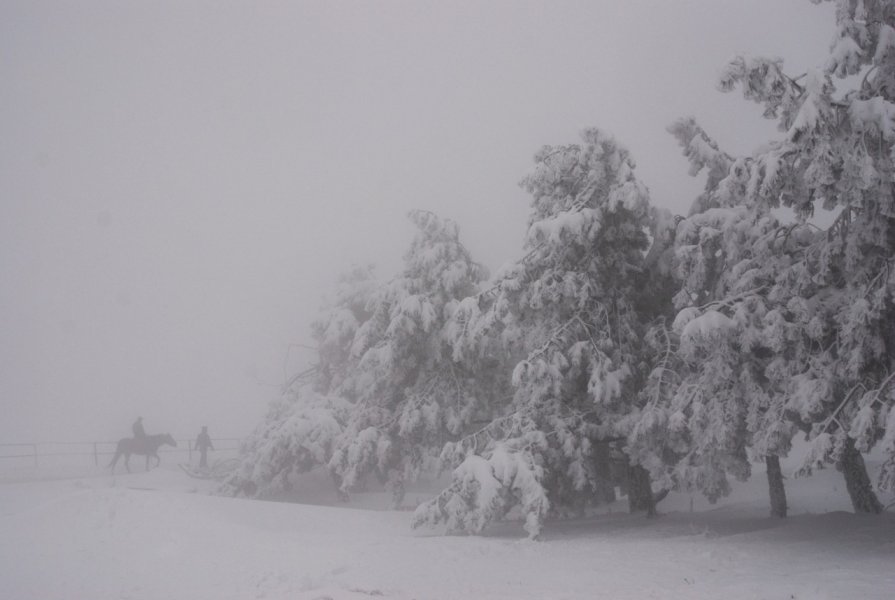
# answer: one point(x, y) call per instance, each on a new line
point(775, 486)
point(604, 492)
point(857, 482)
point(395, 485)
point(640, 491)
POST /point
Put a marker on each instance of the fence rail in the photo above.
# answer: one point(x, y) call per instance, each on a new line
point(36, 451)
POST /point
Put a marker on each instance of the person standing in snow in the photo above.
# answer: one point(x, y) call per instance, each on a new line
point(203, 445)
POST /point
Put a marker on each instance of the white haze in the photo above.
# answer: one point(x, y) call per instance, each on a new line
point(181, 182)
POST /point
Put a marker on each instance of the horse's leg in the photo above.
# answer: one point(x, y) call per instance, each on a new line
point(127, 461)
point(147, 460)
point(158, 459)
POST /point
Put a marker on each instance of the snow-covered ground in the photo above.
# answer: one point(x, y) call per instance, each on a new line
point(80, 533)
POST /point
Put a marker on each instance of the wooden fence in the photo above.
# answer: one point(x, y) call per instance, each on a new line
point(37, 454)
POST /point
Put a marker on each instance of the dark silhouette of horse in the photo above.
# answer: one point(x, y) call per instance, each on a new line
point(147, 446)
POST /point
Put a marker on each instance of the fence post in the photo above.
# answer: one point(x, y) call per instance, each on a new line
point(189, 445)
point(34, 447)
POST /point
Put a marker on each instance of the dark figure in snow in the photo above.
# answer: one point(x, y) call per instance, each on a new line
point(203, 445)
point(139, 432)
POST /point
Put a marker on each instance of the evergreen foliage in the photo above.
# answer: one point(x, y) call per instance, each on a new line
point(410, 395)
point(836, 154)
point(629, 348)
point(568, 307)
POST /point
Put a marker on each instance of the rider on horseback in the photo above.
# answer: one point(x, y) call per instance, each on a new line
point(147, 446)
point(139, 432)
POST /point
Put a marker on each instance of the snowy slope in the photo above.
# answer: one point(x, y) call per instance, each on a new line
point(160, 535)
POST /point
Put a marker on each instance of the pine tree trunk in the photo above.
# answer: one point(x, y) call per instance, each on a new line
point(395, 485)
point(605, 487)
point(640, 491)
point(341, 494)
point(775, 486)
point(863, 498)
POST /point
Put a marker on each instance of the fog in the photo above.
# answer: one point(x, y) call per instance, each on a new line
point(181, 182)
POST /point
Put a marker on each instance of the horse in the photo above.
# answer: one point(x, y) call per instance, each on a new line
point(147, 446)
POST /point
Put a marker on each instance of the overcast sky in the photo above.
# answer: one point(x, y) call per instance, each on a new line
point(181, 182)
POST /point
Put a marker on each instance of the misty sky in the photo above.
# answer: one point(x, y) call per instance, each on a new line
point(181, 182)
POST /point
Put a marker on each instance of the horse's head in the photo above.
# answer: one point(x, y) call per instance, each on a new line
point(169, 440)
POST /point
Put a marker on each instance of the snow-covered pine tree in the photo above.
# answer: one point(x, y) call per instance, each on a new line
point(568, 306)
point(726, 402)
point(837, 152)
point(717, 400)
point(650, 446)
point(335, 328)
point(301, 428)
point(409, 394)
point(297, 434)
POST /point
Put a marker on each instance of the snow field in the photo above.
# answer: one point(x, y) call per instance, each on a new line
point(161, 535)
